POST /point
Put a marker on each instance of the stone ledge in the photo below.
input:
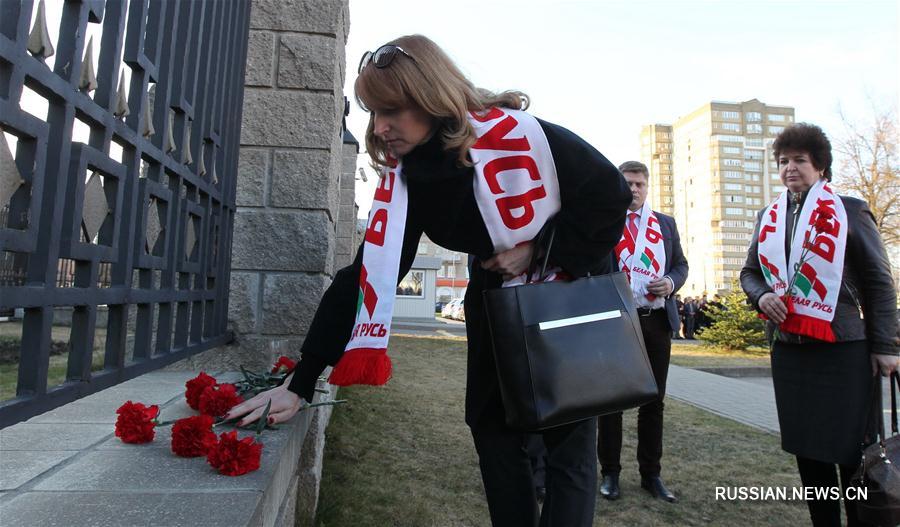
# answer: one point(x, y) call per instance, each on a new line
point(67, 467)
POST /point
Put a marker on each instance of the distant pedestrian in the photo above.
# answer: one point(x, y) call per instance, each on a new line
point(691, 311)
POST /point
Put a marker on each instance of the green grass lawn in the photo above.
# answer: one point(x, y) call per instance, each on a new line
point(401, 455)
point(56, 369)
point(700, 356)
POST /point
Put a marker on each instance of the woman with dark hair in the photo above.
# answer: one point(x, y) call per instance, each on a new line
point(478, 175)
point(818, 271)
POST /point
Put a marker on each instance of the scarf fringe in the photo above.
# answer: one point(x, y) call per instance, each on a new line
point(808, 326)
point(362, 366)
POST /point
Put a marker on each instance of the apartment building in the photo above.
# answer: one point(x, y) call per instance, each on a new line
point(656, 153)
point(718, 173)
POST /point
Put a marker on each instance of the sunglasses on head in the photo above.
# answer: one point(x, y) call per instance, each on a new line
point(382, 57)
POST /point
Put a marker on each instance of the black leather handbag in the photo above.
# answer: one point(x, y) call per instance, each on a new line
point(879, 470)
point(567, 351)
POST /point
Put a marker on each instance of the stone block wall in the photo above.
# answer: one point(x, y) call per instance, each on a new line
point(289, 189)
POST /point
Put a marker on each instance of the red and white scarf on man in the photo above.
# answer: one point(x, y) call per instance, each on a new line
point(650, 264)
point(517, 191)
point(821, 239)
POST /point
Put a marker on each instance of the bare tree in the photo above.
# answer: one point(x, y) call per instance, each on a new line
point(868, 156)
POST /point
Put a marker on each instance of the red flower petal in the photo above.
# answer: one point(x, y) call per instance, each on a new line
point(217, 400)
point(195, 388)
point(193, 436)
point(233, 457)
point(135, 422)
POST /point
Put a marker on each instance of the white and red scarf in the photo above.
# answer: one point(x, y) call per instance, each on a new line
point(517, 191)
point(816, 264)
point(650, 264)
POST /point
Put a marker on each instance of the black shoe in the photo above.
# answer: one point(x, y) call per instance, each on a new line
point(609, 487)
point(657, 489)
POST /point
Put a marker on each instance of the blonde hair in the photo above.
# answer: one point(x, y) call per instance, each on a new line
point(432, 82)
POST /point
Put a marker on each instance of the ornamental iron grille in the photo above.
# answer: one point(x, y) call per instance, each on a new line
point(118, 158)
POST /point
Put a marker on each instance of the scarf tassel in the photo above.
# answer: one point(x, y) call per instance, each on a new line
point(362, 366)
point(809, 327)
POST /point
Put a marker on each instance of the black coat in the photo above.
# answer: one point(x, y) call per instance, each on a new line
point(866, 307)
point(442, 204)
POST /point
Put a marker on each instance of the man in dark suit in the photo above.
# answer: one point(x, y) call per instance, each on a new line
point(690, 318)
point(659, 318)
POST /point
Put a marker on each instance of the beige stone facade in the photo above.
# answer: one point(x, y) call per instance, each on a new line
point(722, 173)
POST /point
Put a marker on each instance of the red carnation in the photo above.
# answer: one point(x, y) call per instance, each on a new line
point(234, 457)
point(193, 436)
point(283, 362)
point(195, 388)
point(823, 219)
point(218, 399)
point(135, 422)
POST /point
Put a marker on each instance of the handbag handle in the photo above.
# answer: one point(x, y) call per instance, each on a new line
point(894, 381)
point(538, 244)
point(895, 385)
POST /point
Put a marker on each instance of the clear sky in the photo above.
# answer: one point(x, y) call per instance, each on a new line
point(604, 68)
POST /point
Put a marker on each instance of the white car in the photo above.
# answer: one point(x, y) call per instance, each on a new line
point(452, 308)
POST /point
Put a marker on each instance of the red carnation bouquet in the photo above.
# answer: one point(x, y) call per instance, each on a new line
point(195, 436)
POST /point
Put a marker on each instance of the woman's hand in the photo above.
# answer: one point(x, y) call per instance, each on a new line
point(512, 262)
point(886, 364)
point(285, 404)
point(773, 307)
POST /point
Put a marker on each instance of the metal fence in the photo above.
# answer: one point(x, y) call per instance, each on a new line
point(121, 200)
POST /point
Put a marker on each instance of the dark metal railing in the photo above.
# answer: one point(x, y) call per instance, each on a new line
point(123, 197)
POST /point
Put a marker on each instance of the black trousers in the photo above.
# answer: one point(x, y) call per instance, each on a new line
point(571, 475)
point(689, 326)
point(658, 339)
point(827, 513)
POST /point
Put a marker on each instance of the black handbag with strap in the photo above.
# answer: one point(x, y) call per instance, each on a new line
point(879, 469)
point(567, 350)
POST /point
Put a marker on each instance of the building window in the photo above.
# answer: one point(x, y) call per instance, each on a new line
point(753, 117)
point(732, 162)
point(753, 154)
point(752, 165)
point(775, 130)
point(776, 117)
point(754, 141)
point(412, 285)
point(731, 174)
point(733, 127)
point(729, 138)
point(754, 128)
point(733, 211)
point(733, 186)
point(731, 150)
point(728, 115)
point(734, 199)
point(451, 271)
